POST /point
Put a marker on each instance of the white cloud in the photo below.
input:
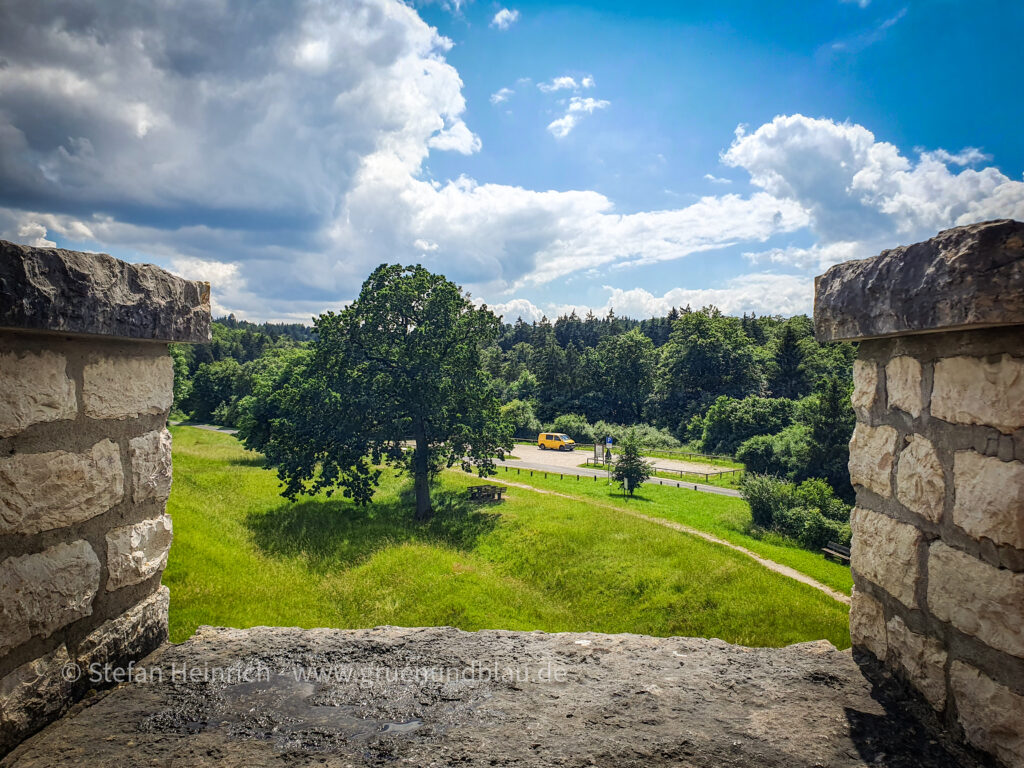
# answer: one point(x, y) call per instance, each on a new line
point(564, 83)
point(516, 308)
point(578, 107)
point(501, 95)
point(300, 163)
point(862, 194)
point(760, 292)
point(860, 3)
point(505, 18)
point(587, 82)
point(717, 179)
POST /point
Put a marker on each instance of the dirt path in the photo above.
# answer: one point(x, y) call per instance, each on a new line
point(771, 565)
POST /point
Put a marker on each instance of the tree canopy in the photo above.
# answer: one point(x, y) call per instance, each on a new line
point(401, 364)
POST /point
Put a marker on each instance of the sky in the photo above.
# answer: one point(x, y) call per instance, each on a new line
point(545, 156)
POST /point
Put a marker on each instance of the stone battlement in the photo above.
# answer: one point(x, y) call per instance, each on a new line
point(85, 468)
point(937, 458)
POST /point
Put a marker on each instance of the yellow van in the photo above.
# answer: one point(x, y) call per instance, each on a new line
point(555, 441)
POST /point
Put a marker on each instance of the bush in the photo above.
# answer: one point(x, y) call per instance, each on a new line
point(648, 436)
point(786, 454)
point(575, 426)
point(730, 421)
point(769, 498)
point(520, 416)
point(809, 513)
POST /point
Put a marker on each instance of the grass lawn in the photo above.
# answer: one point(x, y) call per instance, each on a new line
point(722, 481)
point(726, 517)
point(243, 556)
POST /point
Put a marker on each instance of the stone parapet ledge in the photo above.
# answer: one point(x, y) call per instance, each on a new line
point(70, 292)
point(937, 460)
point(86, 384)
point(963, 278)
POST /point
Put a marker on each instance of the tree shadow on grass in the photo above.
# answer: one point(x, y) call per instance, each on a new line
point(625, 497)
point(333, 533)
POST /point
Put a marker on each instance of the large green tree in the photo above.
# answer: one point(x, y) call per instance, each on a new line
point(400, 365)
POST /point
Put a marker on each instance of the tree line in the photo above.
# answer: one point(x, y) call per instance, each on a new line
point(760, 388)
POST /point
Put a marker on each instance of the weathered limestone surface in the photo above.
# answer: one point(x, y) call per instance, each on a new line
point(32, 695)
point(151, 466)
point(51, 289)
point(527, 699)
point(44, 591)
point(971, 390)
point(867, 624)
point(977, 598)
point(125, 387)
point(42, 491)
point(865, 386)
point(923, 659)
point(136, 552)
point(903, 384)
point(920, 485)
point(871, 455)
point(989, 501)
point(131, 635)
point(34, 387)
point(884, 551)
point(970, 276)
point(991, 714)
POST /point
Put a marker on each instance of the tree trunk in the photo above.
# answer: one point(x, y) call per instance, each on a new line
point(420, 470)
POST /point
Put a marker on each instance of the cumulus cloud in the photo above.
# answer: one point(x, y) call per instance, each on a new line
point(501, 95)
point(564, 83)
point(505, 18)
point(760, 292)
point(288, 142)
point(862, 194)
point(512, 310)
point(578, 107)
point(716, 179)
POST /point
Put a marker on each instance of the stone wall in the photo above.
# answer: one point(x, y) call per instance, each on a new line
point(937, 460)
point(85, 469)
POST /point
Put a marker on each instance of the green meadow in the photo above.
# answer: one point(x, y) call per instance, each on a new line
point(244, 556)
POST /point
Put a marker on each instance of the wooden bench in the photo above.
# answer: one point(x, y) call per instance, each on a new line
point(837, 551)
point(486, 492)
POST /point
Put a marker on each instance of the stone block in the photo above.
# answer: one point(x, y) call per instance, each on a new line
point(45, 591)
point(865, 387)
point(903, 384)
point(922, 659)
point(920, 485)
point(136, 552)
point(34, 388)
point(122, 387)
point(966, 277)
point(43, 491)
point(51, 289)
point(991, 714)
point(989, 498)
point(978, 599)
point(151, 466)
point(130, 636)
point(33, 695)
point(884, 551)
point(972, 390)
point(867, 623)
point(871, 456)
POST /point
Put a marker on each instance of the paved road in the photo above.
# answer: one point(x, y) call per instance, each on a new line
point(572, 469)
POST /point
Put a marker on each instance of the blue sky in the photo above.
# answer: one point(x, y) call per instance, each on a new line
point(635, 156)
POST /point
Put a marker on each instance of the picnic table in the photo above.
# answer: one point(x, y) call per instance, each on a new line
point(486, 492)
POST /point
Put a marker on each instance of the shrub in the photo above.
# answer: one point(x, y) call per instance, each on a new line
point(520, 416)
point(575, 426)
point(769, 498)
point(730, 421)
point(649, 436)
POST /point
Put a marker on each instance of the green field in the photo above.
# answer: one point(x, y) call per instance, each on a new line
point(243, 556)
point(724, 516)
